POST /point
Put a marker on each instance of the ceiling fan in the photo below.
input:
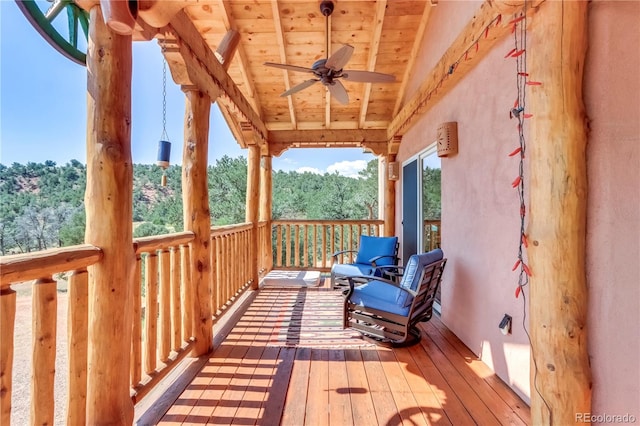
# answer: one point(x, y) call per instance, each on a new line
point(328, 71)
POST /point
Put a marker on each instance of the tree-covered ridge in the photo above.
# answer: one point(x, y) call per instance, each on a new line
point(42, 204)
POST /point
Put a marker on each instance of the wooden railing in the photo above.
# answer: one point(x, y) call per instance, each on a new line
point(162, 308)
point(431, 234)
point(231, 269)
point(41, 267)
point(309, 244)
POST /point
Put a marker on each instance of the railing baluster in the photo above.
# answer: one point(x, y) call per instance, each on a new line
point(296, 245)
point(164, 319)
point(186, 294)
point(8, 318)
point(305, 249)
point(45, 304)
point(288, 246)
point(176, 340)
point(136, 331)
point(77, 339)
point(214, 276)
point(219, 273)
point(332, 241)
point(151, 312)
point(324, 245)
point(279, 245)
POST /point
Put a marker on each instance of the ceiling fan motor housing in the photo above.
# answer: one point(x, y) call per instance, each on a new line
point(326, 8)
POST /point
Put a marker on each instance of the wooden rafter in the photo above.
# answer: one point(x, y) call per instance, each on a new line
point(417, 42)
point(463, 54)
point(378, 22)
point(277, 23)
point(205, 71)
point(241, 56)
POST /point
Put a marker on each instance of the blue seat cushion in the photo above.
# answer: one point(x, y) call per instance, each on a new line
point(371, 247)
point(351, 269)
point(382, 296)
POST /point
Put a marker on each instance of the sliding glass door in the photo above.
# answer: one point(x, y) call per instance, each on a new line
point(421, 204)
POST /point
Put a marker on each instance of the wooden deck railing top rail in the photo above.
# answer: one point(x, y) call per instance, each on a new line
point(31, 266)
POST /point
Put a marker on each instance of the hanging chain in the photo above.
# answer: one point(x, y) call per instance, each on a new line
point(164, 135)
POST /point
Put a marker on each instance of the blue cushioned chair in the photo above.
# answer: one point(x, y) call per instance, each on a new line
point(389, 311)
point(372, 252)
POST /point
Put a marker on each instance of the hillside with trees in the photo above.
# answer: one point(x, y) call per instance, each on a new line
point(42, 204)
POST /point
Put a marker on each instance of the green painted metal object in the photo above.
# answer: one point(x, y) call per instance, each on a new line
point(64, 39)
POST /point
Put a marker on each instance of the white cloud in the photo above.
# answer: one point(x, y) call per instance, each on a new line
point(348, 168)
point(310, 170)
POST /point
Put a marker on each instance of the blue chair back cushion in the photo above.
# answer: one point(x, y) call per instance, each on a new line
point(413, 270)
point(378, 295)
point(371, 247)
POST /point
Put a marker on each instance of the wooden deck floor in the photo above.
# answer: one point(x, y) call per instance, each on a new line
point(289, 362)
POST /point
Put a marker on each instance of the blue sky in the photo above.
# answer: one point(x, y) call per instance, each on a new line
point(43, 108)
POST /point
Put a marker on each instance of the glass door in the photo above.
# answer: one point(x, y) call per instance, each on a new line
point(431, 191)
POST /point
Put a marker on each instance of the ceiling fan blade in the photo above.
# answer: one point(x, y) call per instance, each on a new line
point(338, 91)
point(338, 60)
point(367, 77)
point(289, 67)
point(299, 87)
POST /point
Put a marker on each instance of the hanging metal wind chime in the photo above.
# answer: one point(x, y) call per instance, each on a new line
point(164, 146)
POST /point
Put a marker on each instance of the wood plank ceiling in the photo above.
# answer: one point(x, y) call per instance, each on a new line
point(386, 35)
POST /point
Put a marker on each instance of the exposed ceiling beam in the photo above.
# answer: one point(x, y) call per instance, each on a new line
point(277, 23)
point(327, 136)
point(378, 22)
point(417, 43)
point(372, 140)
point(205, 71)
point(241, 57)
point(466, 51)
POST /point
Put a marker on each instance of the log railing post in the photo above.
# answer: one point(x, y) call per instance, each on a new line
point(7, 322)
point(389, 199)
point(253, 199)
point(266, 205)
point(197, 217)
point(151, 312)
point(108, 201)
point(561, 383)
point(186, 293)
point(45, 306)
point(77, 315)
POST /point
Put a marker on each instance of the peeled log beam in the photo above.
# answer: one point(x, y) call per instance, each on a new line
point(252, 202)
point(440, 80)
point(557, 221)
point(108, 201)
point(195, 195)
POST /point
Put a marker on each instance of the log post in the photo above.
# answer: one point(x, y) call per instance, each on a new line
point(45, 306)
point(561, 386)
point(253, 199)
point(108, 201)
point(389, 198)
point(7, 322)
point(77, 343)
point(195, 195)
point(266, 205)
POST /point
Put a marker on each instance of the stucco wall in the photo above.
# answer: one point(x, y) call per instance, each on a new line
point(481, 211)
point(612, 99)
